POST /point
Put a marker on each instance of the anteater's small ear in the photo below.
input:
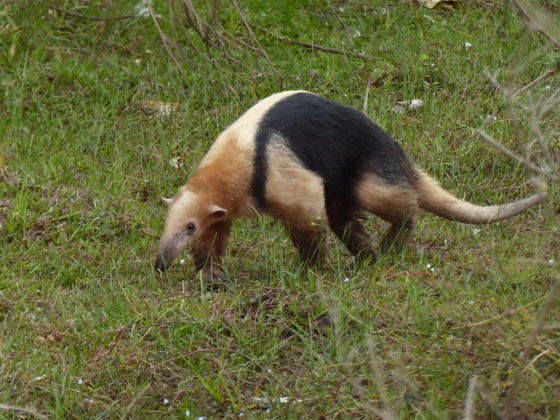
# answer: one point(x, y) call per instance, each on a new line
point(166, 200)
point(217, 211)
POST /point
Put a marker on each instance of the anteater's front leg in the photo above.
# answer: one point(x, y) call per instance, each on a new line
point(310, 241)
point(209, 250)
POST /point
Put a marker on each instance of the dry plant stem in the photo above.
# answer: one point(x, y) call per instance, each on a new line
point(535, 23)
point(134, 401)
point(552, 165)
point(252, 36)
point(66, 12)
point(198, 25)
point(314, 46)
point(341, 23)
point(520, 159)
point(531, 341)
point(500, 317)
point(537, 80)
point(21, 411)
point(163, 39)
point(469, 401)
point(366, 97)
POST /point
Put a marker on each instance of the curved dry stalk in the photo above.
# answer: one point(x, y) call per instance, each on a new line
point(538, 21)
point(76, 15)
point(164, 39)
point(544, 173)
point(314, 46)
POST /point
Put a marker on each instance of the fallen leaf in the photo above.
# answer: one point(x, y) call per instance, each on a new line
point(430, 4)
point(159, 108)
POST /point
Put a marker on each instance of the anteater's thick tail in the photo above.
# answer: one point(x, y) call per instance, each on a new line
point(433, 198)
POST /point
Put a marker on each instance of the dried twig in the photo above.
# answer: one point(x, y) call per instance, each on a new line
point(536, 22)
point(134, 401)
point(164, 39)
point(549, 175)
point(537, 80)
point(76, 15)
point(314, 46)
point(22, 411)
point(341, 22)
point(254, 38)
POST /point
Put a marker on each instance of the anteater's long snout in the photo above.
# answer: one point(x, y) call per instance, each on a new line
point(164, 260)
point(160, 266)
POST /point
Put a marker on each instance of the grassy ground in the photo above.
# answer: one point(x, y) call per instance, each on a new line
point(88, 330)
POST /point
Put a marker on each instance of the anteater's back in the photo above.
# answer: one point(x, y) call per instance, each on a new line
point(336, 142)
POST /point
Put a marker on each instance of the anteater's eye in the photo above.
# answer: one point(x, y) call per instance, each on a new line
point(191, 227)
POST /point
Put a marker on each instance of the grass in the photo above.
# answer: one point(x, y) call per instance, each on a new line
point(89, 331)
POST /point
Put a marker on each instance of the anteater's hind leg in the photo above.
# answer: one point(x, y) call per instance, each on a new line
point(396, 204)
point(352, 233)
point(398, 233)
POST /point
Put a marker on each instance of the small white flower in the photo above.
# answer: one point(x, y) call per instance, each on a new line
point(357, 33)
point(346, 279)
point(182, 261)
point(80, 381)
point(468, 45)
point(428, 265)
point(471, 302)
point(476, 231)
point(340, 9)
point(187, 413)
point(38, 378)
point(138, 61)
point(283, 400)
point(269, 370)
point(551, 261)
point(165, 401)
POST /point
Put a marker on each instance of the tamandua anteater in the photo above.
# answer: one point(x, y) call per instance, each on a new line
point(312, 163)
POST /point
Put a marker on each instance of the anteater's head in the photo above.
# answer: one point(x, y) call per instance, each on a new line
point(188, 217)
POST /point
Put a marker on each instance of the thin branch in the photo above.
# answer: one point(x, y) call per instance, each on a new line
point(164, 39)
point(537, 80)
point(314, 46)
point(252, 36)
point(517, 158)
point(67, 12)
point(535, 23)
point(341, 22)
point(134, 401)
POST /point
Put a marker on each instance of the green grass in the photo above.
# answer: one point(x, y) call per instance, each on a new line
point(87, 330)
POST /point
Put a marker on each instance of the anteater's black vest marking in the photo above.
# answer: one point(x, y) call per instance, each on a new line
point(336, 142)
